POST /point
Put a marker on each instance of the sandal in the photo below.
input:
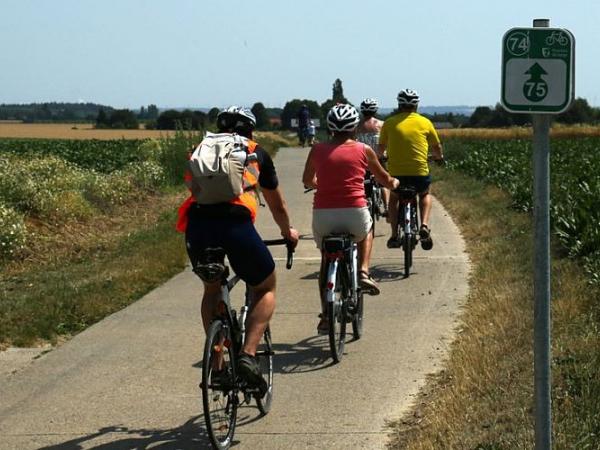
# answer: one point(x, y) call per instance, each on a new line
point(368, 284)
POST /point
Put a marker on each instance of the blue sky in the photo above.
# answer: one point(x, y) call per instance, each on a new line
point(129, 53)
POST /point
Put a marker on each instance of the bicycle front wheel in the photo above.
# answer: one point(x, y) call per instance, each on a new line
point(336, 314)
point(265, 360)
point(219, 393)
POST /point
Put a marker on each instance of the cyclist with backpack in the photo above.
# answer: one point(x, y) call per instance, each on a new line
point(408, 137)
point(225, 172)
point(336, 169)
point(368, 131)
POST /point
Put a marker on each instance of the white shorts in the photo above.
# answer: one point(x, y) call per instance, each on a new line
point(356, 221)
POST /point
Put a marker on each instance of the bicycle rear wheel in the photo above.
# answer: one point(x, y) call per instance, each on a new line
point(357, 320)
point(265, 360)
point(336, 314)
point(219, 393)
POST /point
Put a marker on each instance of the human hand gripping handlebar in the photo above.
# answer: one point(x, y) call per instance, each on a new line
point(290, 249)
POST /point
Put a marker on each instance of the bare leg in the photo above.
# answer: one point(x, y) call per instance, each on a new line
point(393, 214)
point(425, 207)
point(385, 196)
point(260, 313)
point(210, 300)
point(364, 252)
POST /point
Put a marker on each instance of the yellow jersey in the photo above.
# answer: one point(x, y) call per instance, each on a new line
point(407, 137)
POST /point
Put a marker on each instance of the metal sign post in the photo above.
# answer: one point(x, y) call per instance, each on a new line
point(538, 77)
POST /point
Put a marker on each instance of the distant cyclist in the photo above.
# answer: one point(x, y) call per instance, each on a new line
point(303, 124)
point(229, 225)
point(408, 137)
point(368, 132)
point(336, 169)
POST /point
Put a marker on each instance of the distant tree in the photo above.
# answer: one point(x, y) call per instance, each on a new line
point(102, 119)
point(123, 118)
point(143, 114)
point(291, 108)
point(260, 112)
point(337, 96)
point(152, 112)
point(480, 117)
point(212, 115)
point(579, 112)
point(189, 120)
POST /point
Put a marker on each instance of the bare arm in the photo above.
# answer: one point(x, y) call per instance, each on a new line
point(436, 151)
point(309, 177)
point(278, 207)
point(378, 171)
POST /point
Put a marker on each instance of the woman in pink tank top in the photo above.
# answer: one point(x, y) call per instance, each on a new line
point(336, 169)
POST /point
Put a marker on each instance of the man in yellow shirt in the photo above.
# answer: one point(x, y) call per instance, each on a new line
point(408, 137)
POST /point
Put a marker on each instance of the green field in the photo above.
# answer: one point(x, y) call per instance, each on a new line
point(575, 185)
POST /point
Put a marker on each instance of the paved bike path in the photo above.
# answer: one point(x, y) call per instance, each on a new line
point(131, 380)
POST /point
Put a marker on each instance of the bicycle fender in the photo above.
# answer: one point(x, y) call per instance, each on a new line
point(331, 272)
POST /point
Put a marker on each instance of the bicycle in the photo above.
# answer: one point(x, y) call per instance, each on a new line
point(344, 297)
point(408, 223)
point(221, 387)
point(374, 199)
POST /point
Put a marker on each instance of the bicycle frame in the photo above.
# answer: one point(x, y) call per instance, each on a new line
point(350, 271)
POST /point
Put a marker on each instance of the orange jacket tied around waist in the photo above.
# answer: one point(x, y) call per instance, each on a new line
point(248, 199)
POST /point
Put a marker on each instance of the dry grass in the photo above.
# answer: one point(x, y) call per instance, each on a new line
point(73, 131)
point(483, 398)
point(557, 130)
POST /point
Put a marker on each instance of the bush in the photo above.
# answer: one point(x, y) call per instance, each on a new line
point(12, 232)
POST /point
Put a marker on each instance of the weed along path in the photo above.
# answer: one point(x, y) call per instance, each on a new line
point(131, 381)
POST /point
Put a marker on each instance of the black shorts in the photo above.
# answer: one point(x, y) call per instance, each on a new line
point(248, 256)
point(420, 183)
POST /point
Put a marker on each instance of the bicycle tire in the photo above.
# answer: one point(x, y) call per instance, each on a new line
point(357, 321)
point(336, 315)
point(219, 400)
point(407, 247)
point(265, 360)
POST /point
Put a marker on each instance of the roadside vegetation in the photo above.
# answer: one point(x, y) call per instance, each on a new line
point(483, 399)
point(86, 227)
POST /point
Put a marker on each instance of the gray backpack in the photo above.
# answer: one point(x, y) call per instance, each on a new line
point(217, 166)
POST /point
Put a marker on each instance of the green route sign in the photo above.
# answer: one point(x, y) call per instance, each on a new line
point(538, 70)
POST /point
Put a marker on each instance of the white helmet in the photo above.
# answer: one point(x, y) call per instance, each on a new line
point(342, 117)
point(236, 117)
point(369, 105)
point(408, 97)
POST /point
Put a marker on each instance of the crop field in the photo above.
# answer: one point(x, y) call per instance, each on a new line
point(72, 131)
point(575, 185)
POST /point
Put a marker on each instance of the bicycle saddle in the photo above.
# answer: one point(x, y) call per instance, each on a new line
point(406, 193)
point(210, 266)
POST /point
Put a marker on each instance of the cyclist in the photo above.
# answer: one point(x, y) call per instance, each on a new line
point(408, 137)
point(368, 131)
point(303, 123)
point(230, 226)
point(336, 169)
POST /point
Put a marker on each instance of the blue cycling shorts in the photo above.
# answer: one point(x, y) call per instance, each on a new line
point(248, 256)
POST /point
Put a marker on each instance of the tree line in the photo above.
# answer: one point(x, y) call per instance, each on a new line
point(266, 118)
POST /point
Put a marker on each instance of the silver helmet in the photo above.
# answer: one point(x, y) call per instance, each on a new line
point(369, 105)
point(236, 117)
point(342, 117)
point(408, 97)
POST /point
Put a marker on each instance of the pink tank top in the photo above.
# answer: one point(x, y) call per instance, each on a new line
point(340, 173)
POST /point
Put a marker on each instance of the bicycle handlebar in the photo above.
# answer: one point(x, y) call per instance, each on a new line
point(290, 249)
